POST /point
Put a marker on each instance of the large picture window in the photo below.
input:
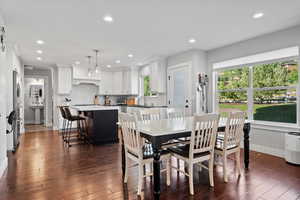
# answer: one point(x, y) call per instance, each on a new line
point(267, 92)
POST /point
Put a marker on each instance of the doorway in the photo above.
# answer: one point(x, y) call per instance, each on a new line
point(36, 103)
point(180, 87)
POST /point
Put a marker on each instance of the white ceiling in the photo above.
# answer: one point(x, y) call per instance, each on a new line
point(72, 28)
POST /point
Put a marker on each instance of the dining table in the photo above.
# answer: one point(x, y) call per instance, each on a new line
point(158, 132)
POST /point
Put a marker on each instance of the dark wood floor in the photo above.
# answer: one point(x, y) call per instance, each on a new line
point(43, 169)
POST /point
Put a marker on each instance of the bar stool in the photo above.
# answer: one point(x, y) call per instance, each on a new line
point(63, 114)
point(80, 126)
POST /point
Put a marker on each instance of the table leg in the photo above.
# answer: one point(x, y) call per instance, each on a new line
point(246, 145)
point(156, 172)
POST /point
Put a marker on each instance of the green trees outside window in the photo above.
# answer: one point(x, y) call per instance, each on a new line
point(147, 89)
point(272, 88)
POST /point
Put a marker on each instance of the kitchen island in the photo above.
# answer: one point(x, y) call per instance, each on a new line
point(101, 123)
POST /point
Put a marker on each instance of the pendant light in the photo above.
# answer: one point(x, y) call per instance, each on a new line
point(96, 59)
point(89, 65)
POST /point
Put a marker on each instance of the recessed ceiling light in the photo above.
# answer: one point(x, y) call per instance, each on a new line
point(40, 42)
point(77, 62)
point(109, 66)
point(39, 51)
point(118, 61)
point(39, 58)
point(192, 40)
point(258, 15)
point(130, 55)
point(108, 19)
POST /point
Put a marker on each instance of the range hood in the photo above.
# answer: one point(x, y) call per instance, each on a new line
point(86, 80)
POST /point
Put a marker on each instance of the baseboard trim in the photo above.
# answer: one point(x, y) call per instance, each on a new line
point(3, 166)
point(267, 150)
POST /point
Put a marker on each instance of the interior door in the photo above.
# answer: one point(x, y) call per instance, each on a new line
point(180, 88)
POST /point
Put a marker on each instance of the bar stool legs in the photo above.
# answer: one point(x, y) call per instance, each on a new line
point(67, 126)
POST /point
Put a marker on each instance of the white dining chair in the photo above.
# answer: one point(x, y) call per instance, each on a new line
point(228, 142)
point(150, 114)
point(201, 147)
point(175, 113)
point(139, 152)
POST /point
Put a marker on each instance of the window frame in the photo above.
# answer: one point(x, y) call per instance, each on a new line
point(251, 90)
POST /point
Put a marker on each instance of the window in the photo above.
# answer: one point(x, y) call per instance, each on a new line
point(147, 89)
point(266, 92)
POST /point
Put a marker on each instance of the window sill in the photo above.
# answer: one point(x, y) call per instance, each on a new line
point(275, 126)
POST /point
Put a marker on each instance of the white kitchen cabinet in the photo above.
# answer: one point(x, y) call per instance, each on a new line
point(65, 79)
point(126, 82)
point(158, 76)
point(117, 82)
point(106, 84)
point(134, 82)
point(130, 82)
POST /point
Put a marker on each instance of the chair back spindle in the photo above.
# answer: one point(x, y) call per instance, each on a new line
point(132, 139)
point(150, 114)
point(175, 113)
point(234, 130)
point(204, 133)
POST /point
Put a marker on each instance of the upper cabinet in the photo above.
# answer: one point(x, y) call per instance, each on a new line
point(106, 86)
point(130, 82)
point(64, 80)
point(158, 76)
point(119, 83)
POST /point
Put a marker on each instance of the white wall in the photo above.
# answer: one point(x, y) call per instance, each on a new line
point(14, 64)
point(3, 141)
point(269, 141)
point(9, 62)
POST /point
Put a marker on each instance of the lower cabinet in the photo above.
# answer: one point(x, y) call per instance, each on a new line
point(102, 126)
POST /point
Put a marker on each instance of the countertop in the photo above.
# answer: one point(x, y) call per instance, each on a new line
point(94, 107)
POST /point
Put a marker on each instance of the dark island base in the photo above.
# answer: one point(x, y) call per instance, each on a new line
point(102, 126)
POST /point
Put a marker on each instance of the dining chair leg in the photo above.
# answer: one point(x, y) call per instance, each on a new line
point(211, 171)
point(126, 169)
point(168, 166)
point(140, 179)
point(238, 161)
point(225, 167)
point(191, 179)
